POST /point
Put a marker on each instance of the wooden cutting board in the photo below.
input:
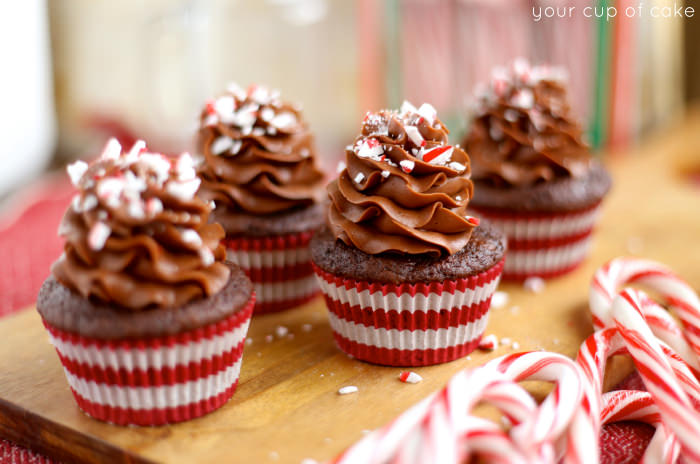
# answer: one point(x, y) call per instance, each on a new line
point(287, 407)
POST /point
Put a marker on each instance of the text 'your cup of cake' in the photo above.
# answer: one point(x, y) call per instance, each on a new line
point(147, 317)
point(259, 167)
point(407, 274)
point(534, 177)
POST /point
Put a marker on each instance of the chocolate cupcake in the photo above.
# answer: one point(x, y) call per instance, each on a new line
point(533, 174)
point(146, 316)
point(259, 167)
point(407, 274)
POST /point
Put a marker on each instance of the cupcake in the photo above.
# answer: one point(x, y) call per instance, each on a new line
point(147, 317)
point(406, 273)
point(259, 167)
point(534, 176)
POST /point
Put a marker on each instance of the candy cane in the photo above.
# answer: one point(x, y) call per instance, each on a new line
point(565, 427)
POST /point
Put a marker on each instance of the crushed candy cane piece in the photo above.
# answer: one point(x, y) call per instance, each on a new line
point(348, 390)
point(414, 135)
point(98, 235)
point(409, 377)
point(489, 342)
point(221, 144)
point(359, 178)
point(439, 155)
point(76, 171)
point(407, 166)
point(281, 331)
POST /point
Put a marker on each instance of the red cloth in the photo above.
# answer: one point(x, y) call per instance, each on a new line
point(29, 244)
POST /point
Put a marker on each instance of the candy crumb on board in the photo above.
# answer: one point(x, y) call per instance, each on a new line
point(409, 377)
point(489, 342)
point(347, 390)
point(534, 284)
point(499, 299)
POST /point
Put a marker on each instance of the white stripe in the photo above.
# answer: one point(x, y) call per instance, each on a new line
point(407, 339)
point(406, 302)
point(270, 292)
point(167, 396)
point(273, 258)
point(541, 228)
point(169, 356)
point(546, 260)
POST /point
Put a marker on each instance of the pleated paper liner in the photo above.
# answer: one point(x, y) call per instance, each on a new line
point(279, 267)
point(158, 380)
point(545, 245)
point(409, 324)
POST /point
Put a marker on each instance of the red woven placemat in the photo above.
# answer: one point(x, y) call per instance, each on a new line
point(29, 244)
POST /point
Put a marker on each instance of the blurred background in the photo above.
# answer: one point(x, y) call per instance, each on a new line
point(79, 71)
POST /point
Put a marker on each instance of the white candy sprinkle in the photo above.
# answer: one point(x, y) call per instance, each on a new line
point(523, 99)
point(135, 209)
point(511, 115)
point(369, 148)
point(157, 163)
point(359, 178)
point(112, 150)
point(415, 136)
point(247, 130)
point(499, 299)
point(266, 114)
point(456, 166)
point(495, 132)
point(407, 165)
point(281, 331)
point(515, 345)
point(206, 256)
point(505, 341)
point(534, 284)
point(428, 112)
point(221, 144)
point(306, 327)
point(283, 120)
point(154, 206)
point(224, 106)
point(183, 190)
point(341, 167)
point(348, 390)
point(110, 189)
point(89, 202)
point(274, 455)
point(385, 174)
point(76, 171)
point(309, 461)
point(98, 235)
point(248, 341)
point(258, 131)
point(184, 167)
point(191, 237)
point(235, 90)
point(269, 338)
point(407, 107)
point(135, 151)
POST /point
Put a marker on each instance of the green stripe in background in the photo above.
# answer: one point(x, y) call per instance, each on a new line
point(601, 105)
point(394, 92)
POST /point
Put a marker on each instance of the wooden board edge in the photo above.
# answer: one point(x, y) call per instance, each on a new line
point(58, 441)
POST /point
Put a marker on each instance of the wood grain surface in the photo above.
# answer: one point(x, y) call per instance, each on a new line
point(287, 407)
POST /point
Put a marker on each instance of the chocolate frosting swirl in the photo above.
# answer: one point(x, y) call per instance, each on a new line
point(523, 132)
point(258, 153)
point(136, 234)
point(404, 190)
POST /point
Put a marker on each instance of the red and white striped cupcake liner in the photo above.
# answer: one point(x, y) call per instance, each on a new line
point(544, 245)
point(279, 267)
point(155, 381)
point(409, 324)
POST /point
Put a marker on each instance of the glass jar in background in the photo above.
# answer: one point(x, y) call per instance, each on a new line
point(143, 69)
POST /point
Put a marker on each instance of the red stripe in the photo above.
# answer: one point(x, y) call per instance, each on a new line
point(280, 274)
point(520, 276)
point(124, 416)
point(548, 243)
point(276, 306)
point(153, 377)
point(407, 320)
point(206, 332)
point(396, 357)
point(519, 215)
point(276, 242)
point(449, 286)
